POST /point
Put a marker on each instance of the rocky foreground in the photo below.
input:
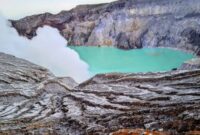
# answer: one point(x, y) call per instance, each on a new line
point(34, 101)
point(125, 24)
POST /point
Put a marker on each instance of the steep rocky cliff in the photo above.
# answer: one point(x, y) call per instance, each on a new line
point(125, 24)
point(34, 101)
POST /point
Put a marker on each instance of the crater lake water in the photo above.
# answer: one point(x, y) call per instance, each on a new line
point(110, 59)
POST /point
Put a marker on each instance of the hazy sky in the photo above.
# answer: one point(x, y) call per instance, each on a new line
point(19, 8)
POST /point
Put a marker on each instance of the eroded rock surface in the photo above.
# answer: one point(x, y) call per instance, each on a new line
point(125, 24)
point(34, 101)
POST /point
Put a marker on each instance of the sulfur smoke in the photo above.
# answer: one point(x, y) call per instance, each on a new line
point(47, 49)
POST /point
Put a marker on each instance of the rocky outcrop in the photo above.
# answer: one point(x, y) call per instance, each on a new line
point(125, 24)
point(34, 101)
point(191, 64)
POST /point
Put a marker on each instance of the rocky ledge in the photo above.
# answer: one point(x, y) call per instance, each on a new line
point(34, 101)
point(126, 24)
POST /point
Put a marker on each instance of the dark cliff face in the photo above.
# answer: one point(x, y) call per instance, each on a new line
point(126, 24)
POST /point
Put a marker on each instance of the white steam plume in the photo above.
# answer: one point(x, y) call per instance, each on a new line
point(47, 49)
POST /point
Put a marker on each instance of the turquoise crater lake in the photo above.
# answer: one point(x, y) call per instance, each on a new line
point(110, 59)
